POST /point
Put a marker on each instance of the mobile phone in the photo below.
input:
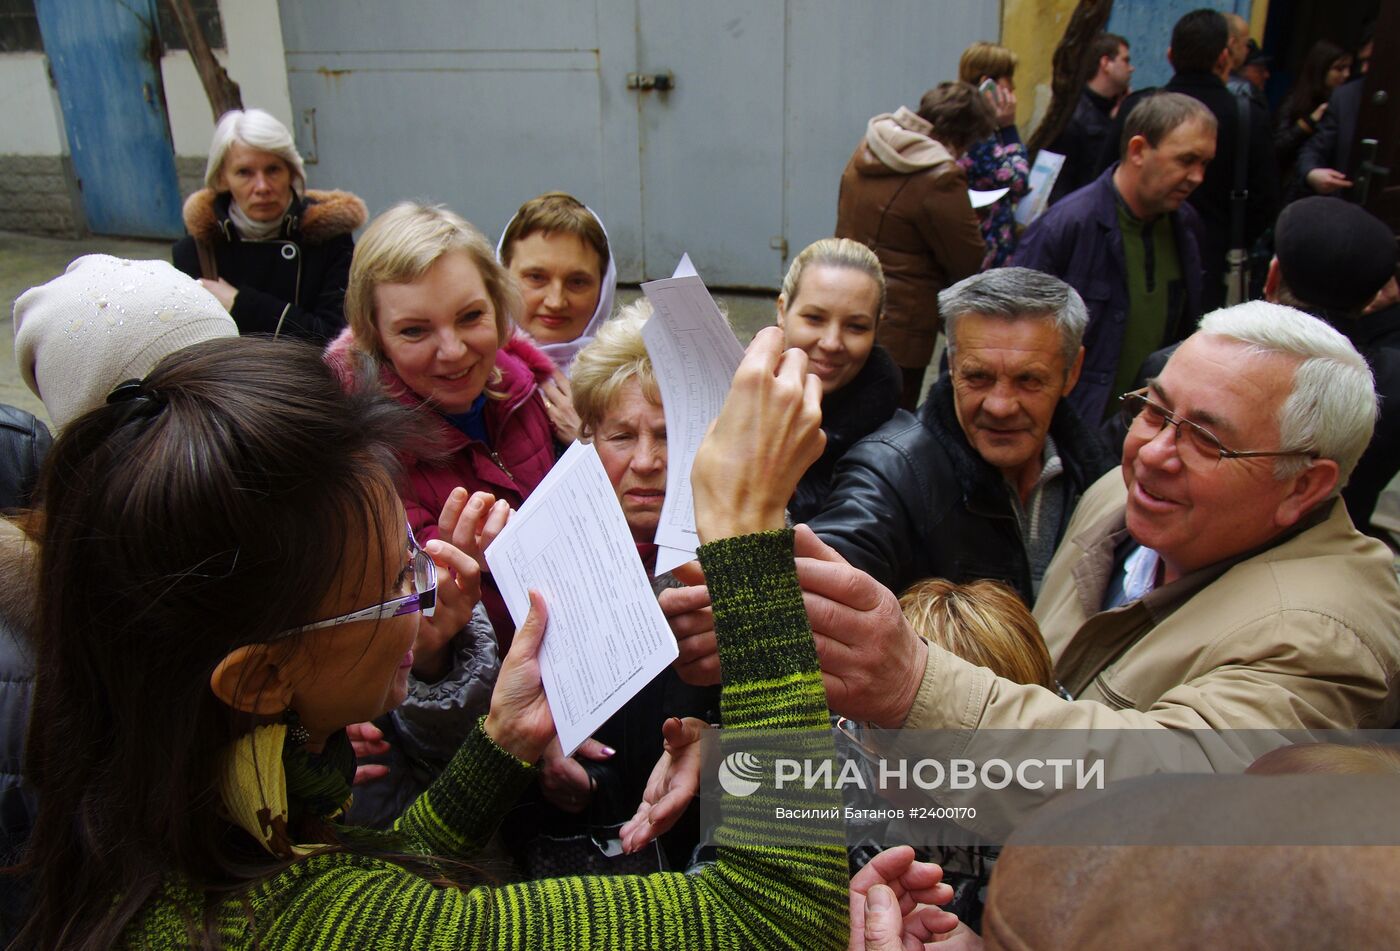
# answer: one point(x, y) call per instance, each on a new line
point(987, 87)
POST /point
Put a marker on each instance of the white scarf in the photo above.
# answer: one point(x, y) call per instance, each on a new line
point(251, 230)
point(563, 353)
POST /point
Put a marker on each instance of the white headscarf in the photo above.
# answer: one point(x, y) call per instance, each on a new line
point(563, 353)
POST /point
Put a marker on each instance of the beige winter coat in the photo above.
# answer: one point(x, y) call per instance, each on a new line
point(1302, 636)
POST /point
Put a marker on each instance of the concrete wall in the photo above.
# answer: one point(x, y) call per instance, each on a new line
point(36, 188)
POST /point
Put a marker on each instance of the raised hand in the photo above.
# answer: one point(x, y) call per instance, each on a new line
point(764, 439)
point(458, 591)
point(472, 522)
point(366, 739)
point(520, 721)
point(692, 620)
point(872, 661)
point(675, 779)
point(892, 901)
point(559, 404)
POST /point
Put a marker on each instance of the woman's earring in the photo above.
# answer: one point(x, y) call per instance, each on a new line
point(296, 733)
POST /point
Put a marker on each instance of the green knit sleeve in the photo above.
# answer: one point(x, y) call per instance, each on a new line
point(756, 895)
point(456, 815)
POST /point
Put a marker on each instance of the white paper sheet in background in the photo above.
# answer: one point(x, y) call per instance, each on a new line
point(983, 199)
point(1042, 179)
point(607, 637)
point(694, 354)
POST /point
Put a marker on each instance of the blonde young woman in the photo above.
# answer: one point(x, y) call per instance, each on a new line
point(431, 308)
point(830, 307)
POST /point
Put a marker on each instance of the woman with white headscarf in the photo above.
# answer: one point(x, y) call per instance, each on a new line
point(557, 250)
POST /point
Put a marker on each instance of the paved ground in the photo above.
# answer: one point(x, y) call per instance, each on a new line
point(26, 260)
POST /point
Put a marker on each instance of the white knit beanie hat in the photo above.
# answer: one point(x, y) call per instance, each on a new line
point(106, 320)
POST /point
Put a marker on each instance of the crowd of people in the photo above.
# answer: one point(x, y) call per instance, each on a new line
point(260, 688)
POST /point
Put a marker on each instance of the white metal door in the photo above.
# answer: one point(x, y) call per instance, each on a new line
point(484, 103)
point(712, 148)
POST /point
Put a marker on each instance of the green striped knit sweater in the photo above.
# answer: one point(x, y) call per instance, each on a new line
point(752, 897)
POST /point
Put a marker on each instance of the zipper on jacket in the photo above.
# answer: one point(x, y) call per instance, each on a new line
point(495, 457)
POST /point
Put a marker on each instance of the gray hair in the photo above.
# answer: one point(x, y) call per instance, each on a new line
point(1331, 408)
point(256, 129)
point(1017, 293)
point(613, 358)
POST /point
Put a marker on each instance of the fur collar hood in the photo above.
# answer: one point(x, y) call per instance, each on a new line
point(315, 218)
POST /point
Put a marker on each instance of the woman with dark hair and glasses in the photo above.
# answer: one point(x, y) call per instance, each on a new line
point(227, 582)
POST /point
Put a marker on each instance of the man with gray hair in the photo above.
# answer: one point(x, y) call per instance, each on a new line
point(1214, 582)
point(982, 481)
point(1129, 244)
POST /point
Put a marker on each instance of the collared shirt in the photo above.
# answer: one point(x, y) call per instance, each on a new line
point(1042, 516)
point(1135, 574)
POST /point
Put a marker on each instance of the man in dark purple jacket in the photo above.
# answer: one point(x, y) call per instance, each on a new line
point(1129, 245)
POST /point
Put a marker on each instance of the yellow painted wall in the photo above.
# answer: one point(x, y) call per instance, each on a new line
point(1033, 29)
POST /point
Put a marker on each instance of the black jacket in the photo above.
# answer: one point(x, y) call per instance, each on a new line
point(23, 442)
point(292, 284)
point(1082, 142)
point(848, 416)
point(1377, 336)
point(914, 500)
point(1330, 146)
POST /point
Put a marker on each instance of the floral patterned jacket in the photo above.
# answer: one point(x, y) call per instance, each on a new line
point(998, 162)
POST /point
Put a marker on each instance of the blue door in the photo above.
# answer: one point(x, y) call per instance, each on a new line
point(105, 61)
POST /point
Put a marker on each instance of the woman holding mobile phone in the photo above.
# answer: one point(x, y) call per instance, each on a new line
point(1000, 160)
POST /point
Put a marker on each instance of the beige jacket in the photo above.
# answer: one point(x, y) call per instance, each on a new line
point(1301, 636)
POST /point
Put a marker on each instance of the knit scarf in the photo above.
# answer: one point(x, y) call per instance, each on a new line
point(277, 792)
point(251, 230)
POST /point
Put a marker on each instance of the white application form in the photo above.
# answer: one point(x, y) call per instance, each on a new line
point(694, 354)
point(607, 637)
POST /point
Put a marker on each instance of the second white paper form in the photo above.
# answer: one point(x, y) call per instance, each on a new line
point(694, 354)
point(607, 637)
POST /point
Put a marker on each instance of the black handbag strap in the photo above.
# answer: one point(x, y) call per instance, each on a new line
point(1239, 195)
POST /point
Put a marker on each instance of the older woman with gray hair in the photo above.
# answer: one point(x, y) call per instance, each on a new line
point(588, 796)
point(276, 255)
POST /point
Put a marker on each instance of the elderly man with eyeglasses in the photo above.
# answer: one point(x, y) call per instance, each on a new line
point(1215, 582)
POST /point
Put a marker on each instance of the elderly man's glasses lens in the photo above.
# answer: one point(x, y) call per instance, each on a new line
point(1194, 442)
point(421, 579)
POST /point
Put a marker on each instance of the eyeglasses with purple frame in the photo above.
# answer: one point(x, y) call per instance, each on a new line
point(423, 598)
